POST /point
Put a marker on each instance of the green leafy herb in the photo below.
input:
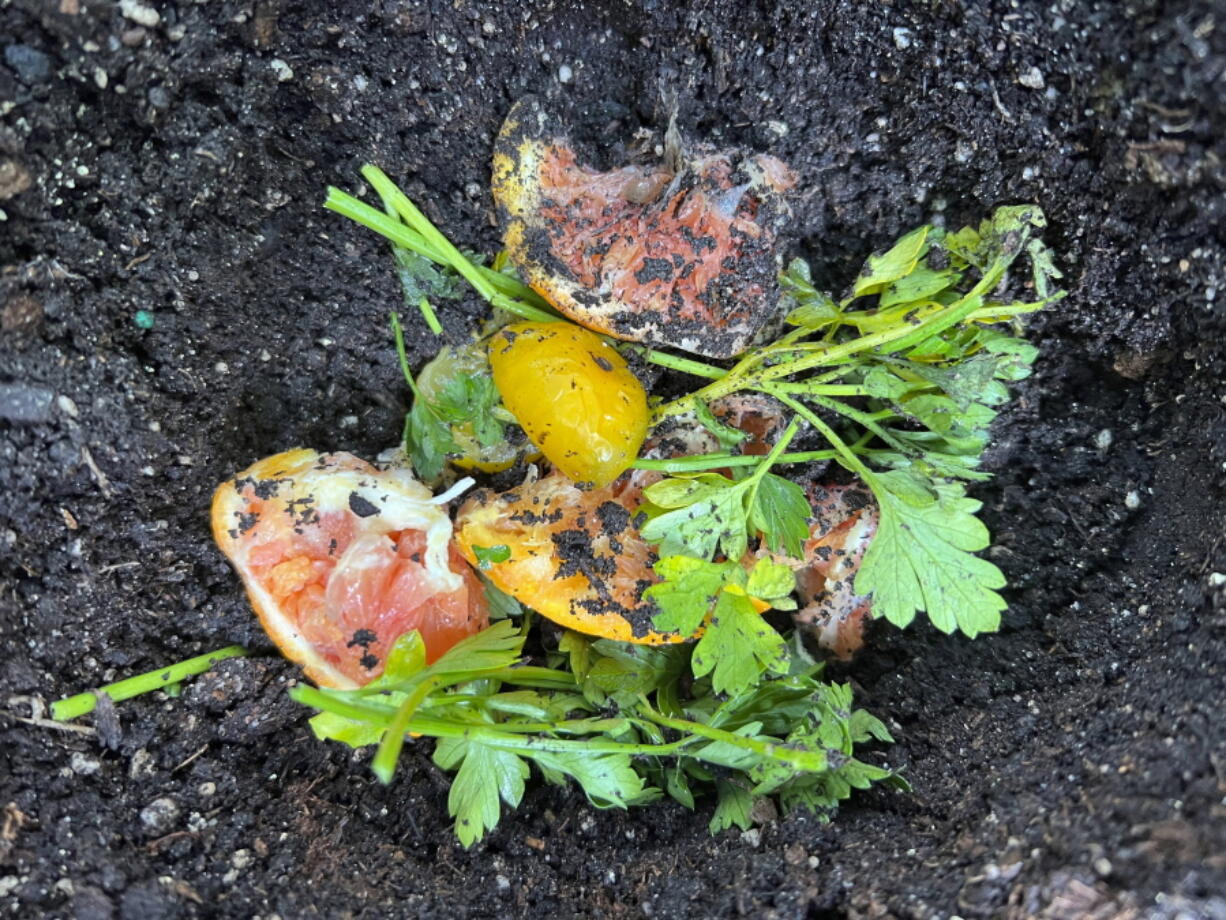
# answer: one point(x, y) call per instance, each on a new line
point(902, 380)
point(495, 717)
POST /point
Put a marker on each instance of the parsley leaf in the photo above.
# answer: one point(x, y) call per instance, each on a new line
point(921, 558)
point(486, 774)
point(780, 512)
point(688, 591)
point(738, 646)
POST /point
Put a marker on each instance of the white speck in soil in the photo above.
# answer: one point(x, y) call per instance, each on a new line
point(902, 39)
point(140, 14)
point(83, 765)
point(282, 70)
point(1032, 79)
point(1132, 501)
point(565, 74)
point(160, 815)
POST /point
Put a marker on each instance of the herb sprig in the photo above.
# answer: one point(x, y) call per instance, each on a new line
point(901, 378)
point(494, 716)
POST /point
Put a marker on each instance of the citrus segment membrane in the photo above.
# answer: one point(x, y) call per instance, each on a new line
point(643, 253)
point(340, 558)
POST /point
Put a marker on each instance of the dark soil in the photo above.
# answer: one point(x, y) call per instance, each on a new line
point(1073, 765)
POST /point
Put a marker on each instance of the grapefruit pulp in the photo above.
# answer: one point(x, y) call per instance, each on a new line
point(340, 559)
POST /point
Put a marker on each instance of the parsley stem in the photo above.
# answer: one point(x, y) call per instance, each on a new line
point(716, 461)
point(675, 362)
point(390, 745)
point(398, 335)
point(850, 460)
point(819, 389)
point(751, 372)
point(73, 706)
point(499, 289)
point(808, 761)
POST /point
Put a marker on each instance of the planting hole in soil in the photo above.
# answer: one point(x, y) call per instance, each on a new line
point(177, 305)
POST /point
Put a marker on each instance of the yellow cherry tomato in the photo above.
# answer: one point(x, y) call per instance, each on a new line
point(574, 396)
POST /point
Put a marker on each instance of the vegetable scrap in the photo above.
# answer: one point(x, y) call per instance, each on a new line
point(696, 547)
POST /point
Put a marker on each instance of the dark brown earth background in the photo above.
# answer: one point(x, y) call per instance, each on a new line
point(172, 158)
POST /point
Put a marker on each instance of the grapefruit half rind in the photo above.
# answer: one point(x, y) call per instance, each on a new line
point(574, 555)
point(642, 253)
point(339, 559)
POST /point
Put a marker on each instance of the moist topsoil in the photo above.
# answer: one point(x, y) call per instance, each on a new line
point(176, 304)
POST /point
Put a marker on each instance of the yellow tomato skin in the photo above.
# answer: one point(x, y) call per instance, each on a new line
point(573, 395)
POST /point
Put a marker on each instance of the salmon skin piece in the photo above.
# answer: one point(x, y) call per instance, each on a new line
point(687, 258)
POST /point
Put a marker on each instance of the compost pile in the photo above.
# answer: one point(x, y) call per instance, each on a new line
point(174, 304)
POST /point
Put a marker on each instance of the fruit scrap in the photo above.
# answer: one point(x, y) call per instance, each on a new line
point(643, 253)
point(842, 527)
point(574, 396)
point(340, 558)
point(573, 555)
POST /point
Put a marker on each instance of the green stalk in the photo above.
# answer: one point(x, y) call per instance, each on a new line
point(700, 462)
point(499, 289)
point(390, 745)
point(850, 460)
point(673, 362)
point(749, 374)
point(73, 706)
point(807, 761)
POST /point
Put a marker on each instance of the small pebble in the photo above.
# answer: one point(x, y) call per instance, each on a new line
point(1032, 79)
point(140, 14)
point(207, 789)
point(565, 74)
point(1104, 439)
point(31, 65)
point(159, 98)
point(283, 71)
point(902, 39)
point(14, 179)
point(503, 883)
point(1132, 501)
point(24, 404)
point(1217, 579)
point(160, 815)
point(67, 406)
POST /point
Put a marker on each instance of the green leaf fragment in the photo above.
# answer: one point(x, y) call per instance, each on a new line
point(687, 592)
point(491, 555)
point(738, 646)
point(894, 264)
point(733, 808)
point(780, 512)
point(486, 774)
point(921, 559)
